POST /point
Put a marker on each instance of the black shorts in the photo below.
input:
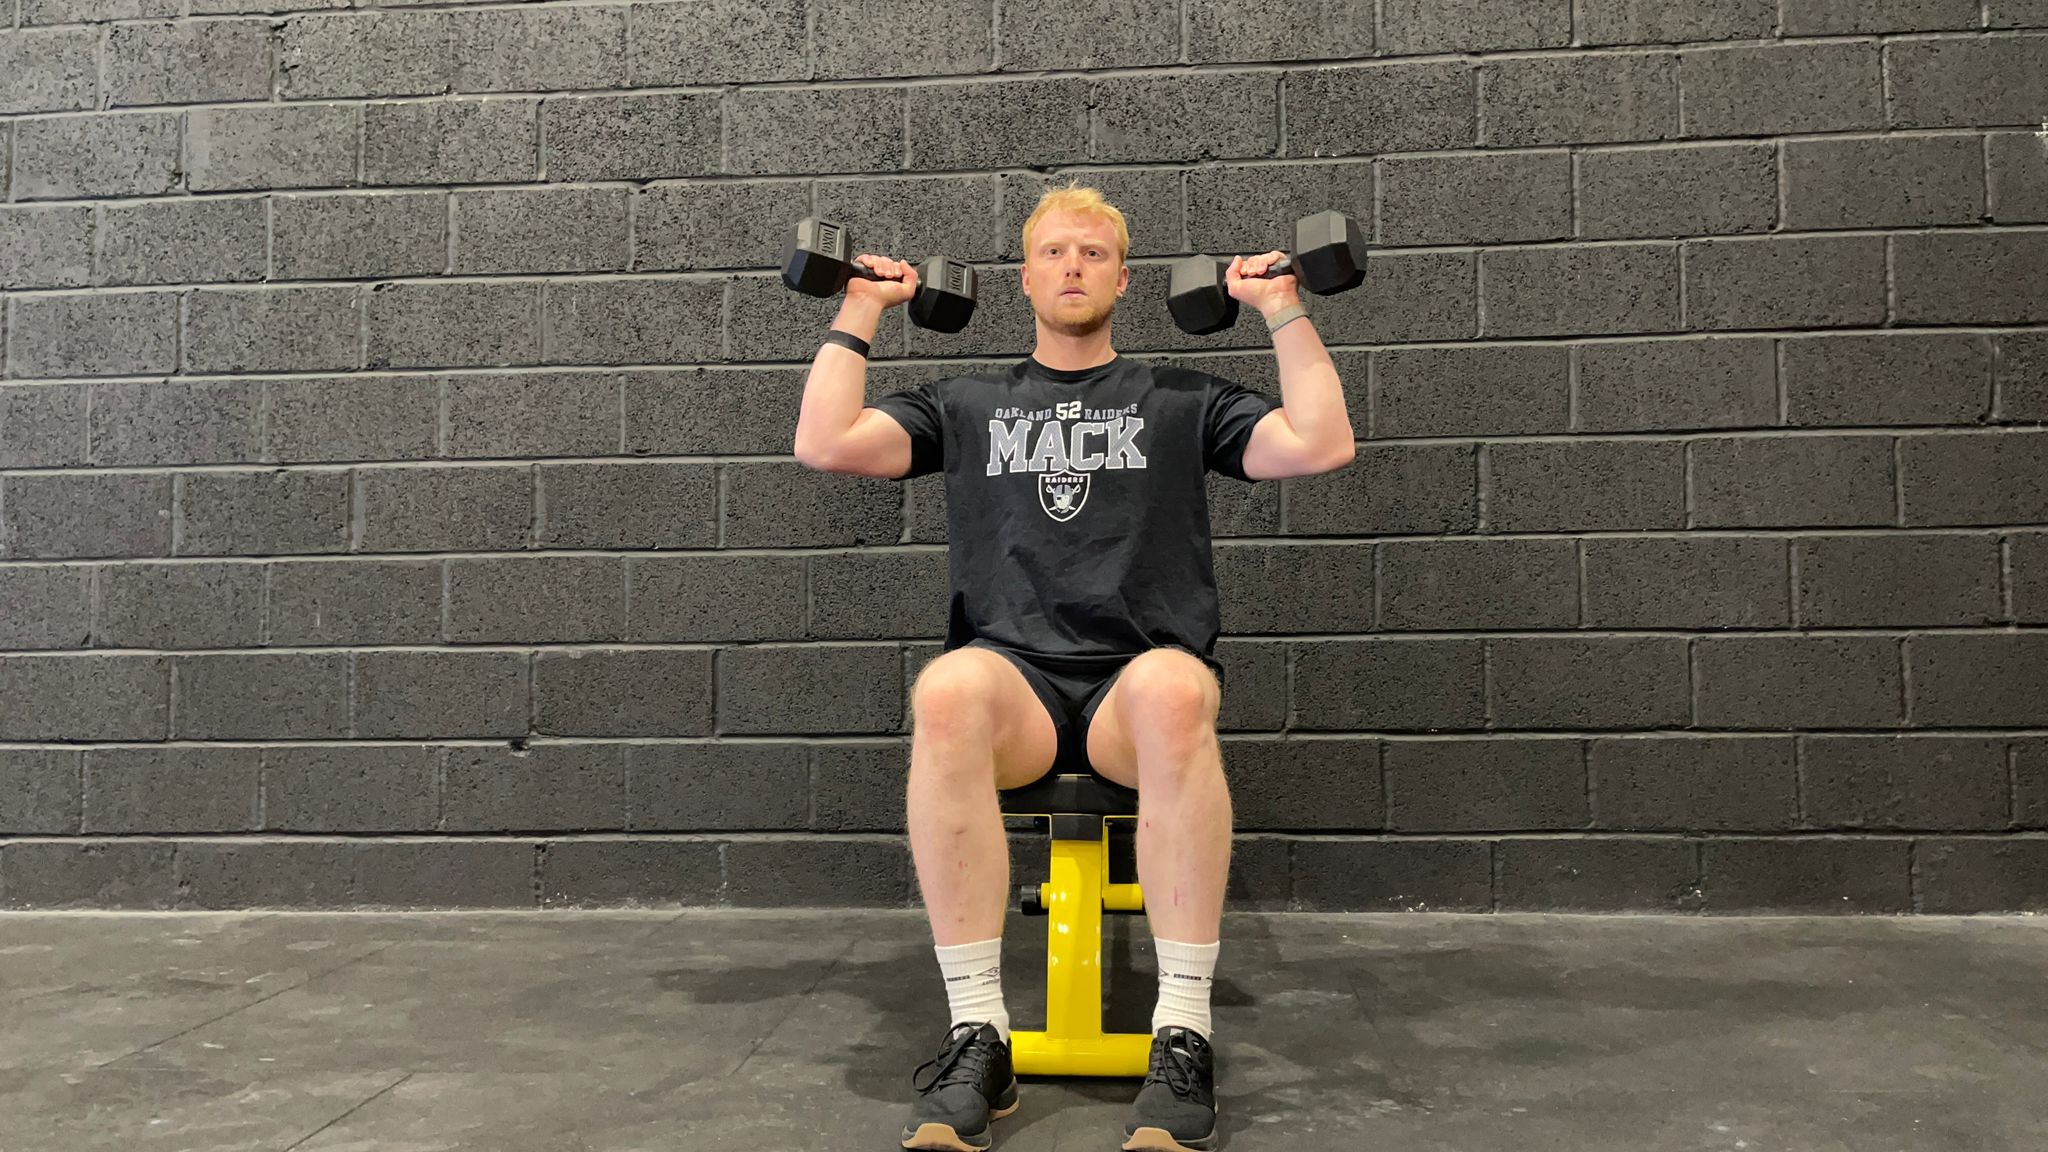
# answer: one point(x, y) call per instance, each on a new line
point(1072, 688)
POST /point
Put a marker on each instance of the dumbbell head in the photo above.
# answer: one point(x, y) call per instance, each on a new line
point(1197, 296)
point(946, 292)
point(1328, 257)
point(816, 261)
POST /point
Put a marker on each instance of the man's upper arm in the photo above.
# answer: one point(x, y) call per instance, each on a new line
point(875, 446)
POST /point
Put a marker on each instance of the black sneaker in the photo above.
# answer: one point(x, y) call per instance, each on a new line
point(1176, 1108)
point(971, 1083)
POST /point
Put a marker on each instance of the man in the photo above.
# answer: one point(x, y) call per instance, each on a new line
point(1082, 624)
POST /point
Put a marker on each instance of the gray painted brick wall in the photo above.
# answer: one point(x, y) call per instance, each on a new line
point(396, 503)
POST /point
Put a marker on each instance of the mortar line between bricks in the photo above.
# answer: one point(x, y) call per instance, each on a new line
point(1692, 682)
point(1898, 482)
point(1905, 682)
point(1990, 186)
point(1792, 612)
point(1799, 781)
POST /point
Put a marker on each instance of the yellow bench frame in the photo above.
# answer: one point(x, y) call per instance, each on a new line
point(1077, 808)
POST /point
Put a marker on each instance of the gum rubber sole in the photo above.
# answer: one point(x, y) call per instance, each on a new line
point(942, 1138)
point(1160, 1140)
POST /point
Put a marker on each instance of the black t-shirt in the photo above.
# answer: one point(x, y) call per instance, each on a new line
point(1076, 509)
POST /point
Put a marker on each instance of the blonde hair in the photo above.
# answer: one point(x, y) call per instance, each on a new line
point(1083, 201)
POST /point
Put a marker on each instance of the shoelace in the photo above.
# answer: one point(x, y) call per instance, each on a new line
point(952, 1064)
point(1176, 1069)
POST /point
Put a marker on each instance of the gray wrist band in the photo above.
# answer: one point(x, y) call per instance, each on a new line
point(847, 340)
point(1285, 316)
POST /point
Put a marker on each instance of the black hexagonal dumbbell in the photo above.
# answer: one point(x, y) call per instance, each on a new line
point(815, 261)
point(1328, 256)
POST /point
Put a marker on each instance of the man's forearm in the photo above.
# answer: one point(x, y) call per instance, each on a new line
point(1310, 391)
point(836, 389)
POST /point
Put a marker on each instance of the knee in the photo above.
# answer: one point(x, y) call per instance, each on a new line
point(1169, 695)
point(954, 695)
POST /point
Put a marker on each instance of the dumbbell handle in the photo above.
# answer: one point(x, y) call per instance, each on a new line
point(866, 273)
point(1281, 267)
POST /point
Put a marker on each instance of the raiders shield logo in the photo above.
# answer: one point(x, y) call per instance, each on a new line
point(1061, 494)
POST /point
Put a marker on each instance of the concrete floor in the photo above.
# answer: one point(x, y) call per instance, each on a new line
point(711, 1030)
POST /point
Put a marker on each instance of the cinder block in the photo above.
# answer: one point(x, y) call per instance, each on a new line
point(1235, 509)
point(1569, 291)
point(1227, 30)
point(441, 695)
point(43, 425)
point(788, 505)
point(766, 321)
point(1587, 485)
point(623, 693)
point(1781, 88)
point(1796, 682)
point(477, 507)
point(1238, 209)
point(1374, 108)
point(1459, 585)
point(451, 141)
point(914, 218)
point(740, 788)
point(852, 788)
point(1419, 27)
point(48, 70)
point(117, 154)
point(1388, 489)
point(1977, 681)
point(263, 147)
point(1659, 385)
point(1694, 784)
point(1767, 282)
point(795, 130)
point(635, 321)
point(2018, 175)
point(1655, 22)
point(1905, 379)
point(351, 788)
point(878, 595)
point(2030, 782)
point(1305, 784)
point(1958, 278)
point(112, 334)
point(714, 411)
point(1909, 782)
point(2028, 576)
point(176, 421)
point(329, 56)
point(352, 418)
point(1821, 875)
point(1686, 582)
point(698, 599)
point(940, 37)
point(1579, 99)
point(548, 230)
point(273, 329)
point(45, 247)
point(1306, 587)
point(170, 790)
point(1037, 34)
point(356, 237)
point(1792, 482)
point(723, 42)
point(1968, 82)
point(540, 49)
point(1396, 875)
point(536, 599)
point(634, 137)
point(1485, 784)
point(48, 606)
point(1974, 874)
point(172, 241)
point(2017, 14)
point(1406, 297)
point(97, 874)
point(35, 12)
point(261, 696)
point(84, 697)
point(466, 873)
point(1146, 118)
point(1388, 686)
point(332, 602)
point(810, 871)
point(430, 325)
point(180, 606)
point(993, 124)
point(262, 513)
point(726, 224)
point(1898, 581)
point(626, 506)
point(1605, 875)
point(188, 62)
point(1844, 17)
point(631, 873)
point(1679, 190)
point(39, 791)
point(1488, 390)
point(531, 414)
point(1592, 683)
point(1884, 182)
point(64, 515)
point(810, 689)
point(1254, 685)
point(243, 874)
point(1476, 199)
point(217, 7)
point(1974, 478)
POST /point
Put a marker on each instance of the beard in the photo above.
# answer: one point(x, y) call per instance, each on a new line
point(1082, 317)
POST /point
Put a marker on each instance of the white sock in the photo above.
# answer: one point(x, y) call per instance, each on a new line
point(1186, 972)
point(974, 983)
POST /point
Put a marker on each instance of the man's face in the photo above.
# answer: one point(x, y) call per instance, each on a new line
point(1072, 272)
